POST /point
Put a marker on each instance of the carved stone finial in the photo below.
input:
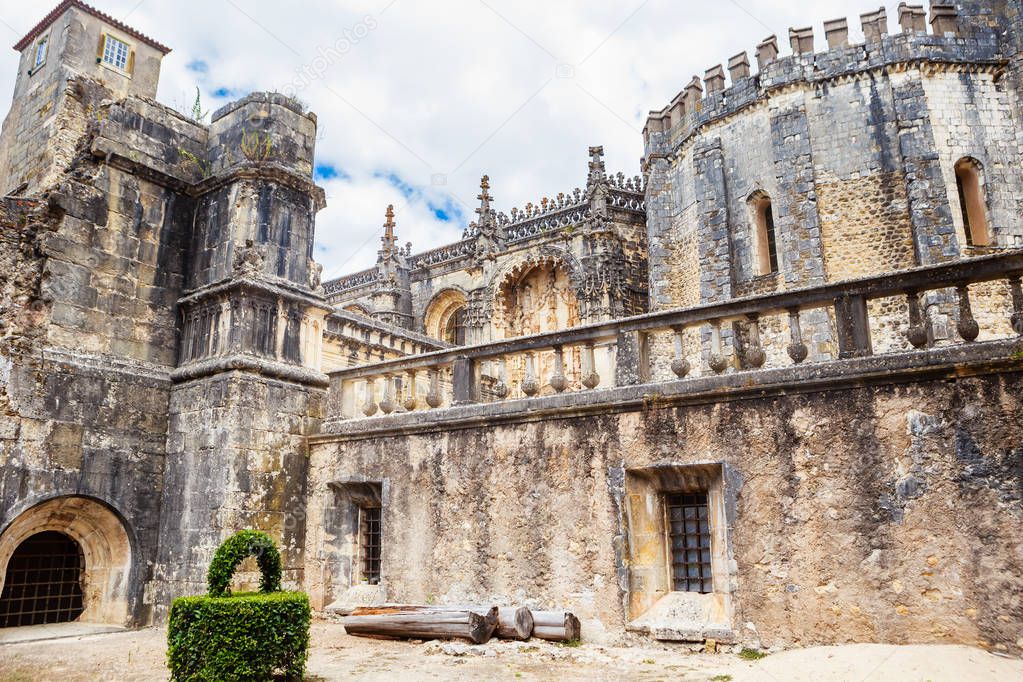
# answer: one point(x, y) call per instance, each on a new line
point(597, 170)
point(388, 240)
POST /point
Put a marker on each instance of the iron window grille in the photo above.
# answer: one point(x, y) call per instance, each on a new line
point(43, 582)
point(371, 544)
point(689, 535)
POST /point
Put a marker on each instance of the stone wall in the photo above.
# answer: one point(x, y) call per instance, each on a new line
point(883, 513)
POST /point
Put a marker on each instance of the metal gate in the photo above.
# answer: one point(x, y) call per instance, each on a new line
point(43, 582)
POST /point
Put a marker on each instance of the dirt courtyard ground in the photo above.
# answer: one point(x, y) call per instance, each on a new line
point(139, 655)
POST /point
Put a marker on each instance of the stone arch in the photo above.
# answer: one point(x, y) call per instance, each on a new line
point(105, 543)
point(443, 310)
point(535, 294)
point(970, 186)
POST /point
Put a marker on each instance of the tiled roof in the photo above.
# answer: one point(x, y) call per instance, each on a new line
point(68, 4)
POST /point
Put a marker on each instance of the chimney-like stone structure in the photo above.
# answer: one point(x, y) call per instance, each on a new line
point(875, 25)
point(738, 67)
point(837, 33)
point(944, 20)
point(767, 51)
point(801, 40)
point(714, 79)
point(912, 18)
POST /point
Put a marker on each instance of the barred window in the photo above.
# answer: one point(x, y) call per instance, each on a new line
point(689, 534)
point(370, 541)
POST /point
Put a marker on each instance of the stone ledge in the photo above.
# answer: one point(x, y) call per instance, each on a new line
point(952, 362)
point(241, 362)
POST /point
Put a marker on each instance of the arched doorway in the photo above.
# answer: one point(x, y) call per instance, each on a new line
point(43, 582)
point(100, 536)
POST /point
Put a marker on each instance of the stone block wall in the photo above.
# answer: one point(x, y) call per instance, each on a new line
point(853, 514)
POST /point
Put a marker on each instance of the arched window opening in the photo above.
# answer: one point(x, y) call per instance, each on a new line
point(764, 238)
point(43, 583)
point(454, 327)
point(972, 203)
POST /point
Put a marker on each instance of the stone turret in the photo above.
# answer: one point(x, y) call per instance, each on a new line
point(391, 297)
point(50, 110)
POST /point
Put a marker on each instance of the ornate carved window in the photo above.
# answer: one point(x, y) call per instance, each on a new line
point(454, 327)
point(972, 202)
point(765, 248)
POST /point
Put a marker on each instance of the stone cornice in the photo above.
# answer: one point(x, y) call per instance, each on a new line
point(245, 362)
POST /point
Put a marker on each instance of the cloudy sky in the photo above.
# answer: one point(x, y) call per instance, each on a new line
point(417, 99)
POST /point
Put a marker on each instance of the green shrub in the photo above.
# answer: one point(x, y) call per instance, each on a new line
point(244, 544)
point(243, 637)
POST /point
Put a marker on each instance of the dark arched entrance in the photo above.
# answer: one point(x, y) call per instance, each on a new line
point(43, 583)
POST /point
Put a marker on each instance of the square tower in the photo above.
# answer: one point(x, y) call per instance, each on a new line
point(74, 41)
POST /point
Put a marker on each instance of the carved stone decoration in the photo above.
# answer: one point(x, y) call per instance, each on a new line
point(487, 230)
point(387, 403)
point(315, 275)
point(966, 326)
point(249, 259)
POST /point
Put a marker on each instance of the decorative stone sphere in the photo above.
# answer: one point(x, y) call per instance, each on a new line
point(559, 383)
point(501, 390)
point(369, 408)
point(433, 399)
point(717, 362)
point(756, 357)
point(798, 352)
point(410, 403)
point(530, 387)
point(680, 366)
point(591, 380)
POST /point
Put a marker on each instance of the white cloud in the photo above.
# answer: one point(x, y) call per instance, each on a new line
point(455, 88)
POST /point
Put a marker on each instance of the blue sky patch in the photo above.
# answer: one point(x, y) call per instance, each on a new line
point(226, 92)
point(328, 171)
point(198, 66)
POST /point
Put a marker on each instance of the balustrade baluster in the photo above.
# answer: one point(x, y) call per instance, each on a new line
point(501, 387)
point(797, 350)
point(433, 398)
point(369, 406)
point(1017, 304)
point(966, 326)
point(755, 354)
point(716, 361)
point(558, 380)
point(917, 332)
point(387, 404)
point(590, 377)
point(530, 386)
point(411, 400)
point(679, 364)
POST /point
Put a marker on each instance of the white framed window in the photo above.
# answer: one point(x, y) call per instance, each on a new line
point(41, 48)
point(115, 53)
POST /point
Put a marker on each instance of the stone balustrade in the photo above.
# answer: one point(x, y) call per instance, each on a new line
point(924, 308)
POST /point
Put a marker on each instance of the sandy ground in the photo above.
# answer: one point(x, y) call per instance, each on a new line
point(139, 655)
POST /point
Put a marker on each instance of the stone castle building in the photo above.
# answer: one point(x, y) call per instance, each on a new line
point(767, 392)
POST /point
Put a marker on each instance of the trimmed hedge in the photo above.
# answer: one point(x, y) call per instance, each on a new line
point(242, 637)
point(243, 544)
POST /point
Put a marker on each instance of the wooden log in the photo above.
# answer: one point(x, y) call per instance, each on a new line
point(556, 626)
point(514, 622)
point(477, 624)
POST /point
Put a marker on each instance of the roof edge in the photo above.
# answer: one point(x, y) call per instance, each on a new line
point(77, 4)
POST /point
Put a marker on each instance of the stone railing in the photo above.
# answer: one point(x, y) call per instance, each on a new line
point(349, 282)
point(708, 340)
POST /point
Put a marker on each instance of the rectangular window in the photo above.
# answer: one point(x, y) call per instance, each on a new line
point(41, 52)
point(689, 534)
point(115, 53)
point(369, 538)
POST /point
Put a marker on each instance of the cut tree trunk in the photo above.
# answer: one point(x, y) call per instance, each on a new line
point(557, 626)
point(514, 622)
point(477, 624)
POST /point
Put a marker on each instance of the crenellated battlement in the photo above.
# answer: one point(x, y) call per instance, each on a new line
point(948, 42)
